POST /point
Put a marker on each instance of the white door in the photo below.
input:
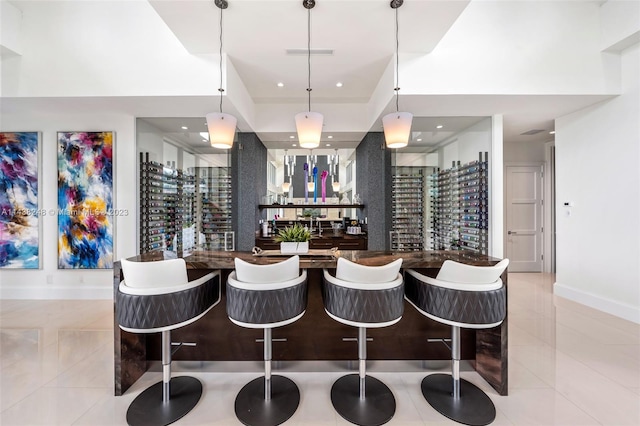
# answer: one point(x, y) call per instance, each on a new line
point(524, 218)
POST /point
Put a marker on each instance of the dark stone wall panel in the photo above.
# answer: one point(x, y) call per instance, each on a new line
point(373, 183)
point(249, 183)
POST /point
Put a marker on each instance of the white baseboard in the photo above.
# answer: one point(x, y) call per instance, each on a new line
point(622, 310)
point(68, 293)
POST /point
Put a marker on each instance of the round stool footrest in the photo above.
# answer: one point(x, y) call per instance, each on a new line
point(252, 409)
point(473, 408)
point(377, 408)
point(148, 408)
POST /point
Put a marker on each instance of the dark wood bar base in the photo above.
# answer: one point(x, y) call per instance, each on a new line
point(315, 336)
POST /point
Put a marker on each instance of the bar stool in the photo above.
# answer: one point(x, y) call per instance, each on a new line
point(364, 297)
point(158, 297)
point(267, 296)
point(462, 296)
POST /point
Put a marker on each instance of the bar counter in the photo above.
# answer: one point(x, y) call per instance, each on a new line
point(315, 336)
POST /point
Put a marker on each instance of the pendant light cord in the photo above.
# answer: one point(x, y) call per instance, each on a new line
point(397, 88)
point(309, 56)
point(220, 89)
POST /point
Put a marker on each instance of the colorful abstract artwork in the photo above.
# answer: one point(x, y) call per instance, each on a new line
point(85, 200)
point(19, 223)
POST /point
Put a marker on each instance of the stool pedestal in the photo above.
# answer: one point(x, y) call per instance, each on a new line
point(166, 401)
point(362, 399)
point(456, 398)
point(473, 407)
point(269, 400)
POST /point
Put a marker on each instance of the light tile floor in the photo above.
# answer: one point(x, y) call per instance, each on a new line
point(568, 365)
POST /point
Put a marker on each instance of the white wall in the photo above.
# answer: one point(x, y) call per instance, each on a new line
point(10, 23)
point(520, 152)
point(466, 145)
point(620, 22)
point(149, 140)
point(516, 47)
point(103, 48)
point(597, 157)
point(74, 284)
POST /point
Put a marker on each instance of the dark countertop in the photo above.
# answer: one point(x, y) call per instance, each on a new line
point(419, 259)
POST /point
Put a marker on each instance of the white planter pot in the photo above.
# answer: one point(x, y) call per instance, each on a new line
point(293, 248)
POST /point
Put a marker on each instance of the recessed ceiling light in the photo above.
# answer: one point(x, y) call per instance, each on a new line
point(553, 132)
point(419, 139)
point(330, 137)
point(205, 140)
point(292, 137)
point(328, 144)
point(280, 84)
point(184, 127)
point(338, 84)
point(439, 126)
point(294, 144)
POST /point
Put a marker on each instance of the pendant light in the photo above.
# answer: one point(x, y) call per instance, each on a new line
point(309, 124)
point(289, 164)
point(397, 125)
point(334, 161)
point(221, 126)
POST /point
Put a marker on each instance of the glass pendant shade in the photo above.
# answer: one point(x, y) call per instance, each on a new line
point(286, 186)
point(310, 186)
point(309, 127)
point(222, 129)
point(397, 129)
point(336, 186)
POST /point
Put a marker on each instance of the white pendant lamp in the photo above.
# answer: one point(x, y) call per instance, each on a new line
point(397, 125)
point(221, 126)
point(309, 124)
point(397, 129)
point(222, 129)
point(309, 128)
point(286, 186)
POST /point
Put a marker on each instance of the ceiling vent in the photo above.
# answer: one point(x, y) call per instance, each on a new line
point(313, 51)
point(532, 132)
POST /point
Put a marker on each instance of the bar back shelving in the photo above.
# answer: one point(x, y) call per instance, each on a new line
point(460, 218)
point(408, 214)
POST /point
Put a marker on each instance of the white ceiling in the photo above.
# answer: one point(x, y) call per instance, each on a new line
point(257, 34)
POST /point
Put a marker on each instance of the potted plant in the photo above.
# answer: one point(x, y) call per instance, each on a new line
point(294, 239)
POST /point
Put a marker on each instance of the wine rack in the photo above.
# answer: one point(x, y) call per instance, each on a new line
point(408, 186)
point(165, 206)
point(460, 218)
point(213, 200)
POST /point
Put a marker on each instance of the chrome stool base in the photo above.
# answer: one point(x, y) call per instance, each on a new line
point(377, 407)
point(148, 408)
point(252, 409)
point(473, 408)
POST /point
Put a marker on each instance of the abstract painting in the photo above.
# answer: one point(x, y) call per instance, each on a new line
point(19, 213)
point(85, 200)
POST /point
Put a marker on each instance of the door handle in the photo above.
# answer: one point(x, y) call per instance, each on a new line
point(511, 232)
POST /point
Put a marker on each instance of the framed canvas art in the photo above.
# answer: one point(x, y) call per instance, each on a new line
point(85, 200)
point(19, 205)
